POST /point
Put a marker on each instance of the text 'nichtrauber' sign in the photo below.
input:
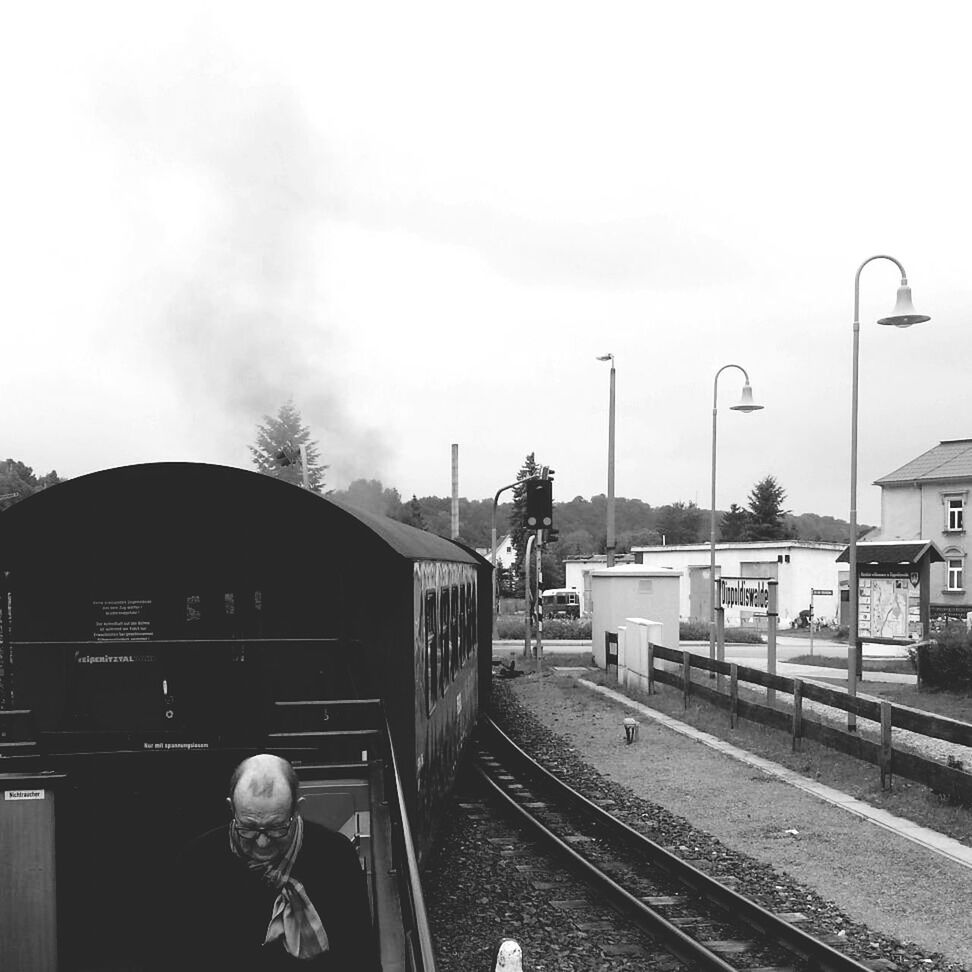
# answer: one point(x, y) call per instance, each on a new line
point(751, 593)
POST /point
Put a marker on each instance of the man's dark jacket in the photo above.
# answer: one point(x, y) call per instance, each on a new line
point(220, 909)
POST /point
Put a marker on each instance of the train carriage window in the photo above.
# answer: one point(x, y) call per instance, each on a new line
point(444, 632)
point(454, 630)
point(229, 603)
point(463, 627)
point(431, 650)
point(470, 619)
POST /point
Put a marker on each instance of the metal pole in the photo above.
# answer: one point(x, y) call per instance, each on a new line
point(811, 622)
point(526, 591)
point(712, 523)
point(610, 497)
point(772, 617)
point(853, 639)
point(540, 605)
point(455, 490)
point(492, 545)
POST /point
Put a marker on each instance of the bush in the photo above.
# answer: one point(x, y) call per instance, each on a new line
point(946, 662)
point(512, 627)
point(699, 631)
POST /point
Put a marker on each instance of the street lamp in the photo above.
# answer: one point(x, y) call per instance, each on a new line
point(610, 495)
point(746, 404)
point(903, 315)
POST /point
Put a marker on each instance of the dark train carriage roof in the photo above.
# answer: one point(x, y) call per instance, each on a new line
point(115, 510)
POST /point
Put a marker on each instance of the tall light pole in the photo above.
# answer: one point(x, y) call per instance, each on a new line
point(610, 495)
point(746, 404)
point(492, 536)
point(903, 315)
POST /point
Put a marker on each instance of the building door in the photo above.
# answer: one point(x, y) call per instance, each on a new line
point(700, 593)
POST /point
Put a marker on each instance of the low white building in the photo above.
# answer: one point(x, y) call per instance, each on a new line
point(798, 565)
point(577, 575)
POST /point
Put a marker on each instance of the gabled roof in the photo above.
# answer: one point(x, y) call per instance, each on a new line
point(950, 459)
point(905, 552)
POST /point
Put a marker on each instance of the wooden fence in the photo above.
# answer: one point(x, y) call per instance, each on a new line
point(942, 778)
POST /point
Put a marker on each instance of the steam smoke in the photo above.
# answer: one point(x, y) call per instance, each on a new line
point(235, 194)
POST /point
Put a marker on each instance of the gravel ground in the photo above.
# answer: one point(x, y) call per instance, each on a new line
point(887, 898)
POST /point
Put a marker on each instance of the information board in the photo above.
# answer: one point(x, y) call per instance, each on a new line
point(889, 606)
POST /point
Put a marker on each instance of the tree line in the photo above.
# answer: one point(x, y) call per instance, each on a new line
point(580, 525)
point(284, 448)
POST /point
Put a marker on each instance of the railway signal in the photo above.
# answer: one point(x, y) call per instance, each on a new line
point(539, 504)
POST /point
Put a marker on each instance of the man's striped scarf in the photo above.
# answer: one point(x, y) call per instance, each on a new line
point(294, 917)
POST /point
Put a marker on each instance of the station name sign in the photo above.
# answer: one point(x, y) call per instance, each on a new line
point(744, 592)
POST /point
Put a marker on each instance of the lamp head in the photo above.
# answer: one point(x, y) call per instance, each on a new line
point(746, 403)
point(605, 357)
point(904, 313)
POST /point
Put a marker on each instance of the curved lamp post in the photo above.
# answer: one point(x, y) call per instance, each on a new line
point(903, 315)
point(746, 404)
point(610, 495)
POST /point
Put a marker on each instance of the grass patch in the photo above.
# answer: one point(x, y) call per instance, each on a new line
point(900, 666)
point(912, 801)
point(698, 631)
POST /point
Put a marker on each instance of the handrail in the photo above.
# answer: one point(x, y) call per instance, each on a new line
point(411, 858)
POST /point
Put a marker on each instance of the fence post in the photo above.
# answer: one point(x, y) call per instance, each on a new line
point(886, 745)
point(651, 668)
point(797, 715)
point(686, 677)
point(733, 695)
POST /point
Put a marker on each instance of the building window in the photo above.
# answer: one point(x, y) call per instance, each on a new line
point(956, 571)
point(954, 508)
point(956, 514)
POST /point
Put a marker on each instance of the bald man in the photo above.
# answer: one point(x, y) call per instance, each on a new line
point(271, 891)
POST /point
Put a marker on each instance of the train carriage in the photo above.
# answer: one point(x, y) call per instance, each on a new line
point(162, 621)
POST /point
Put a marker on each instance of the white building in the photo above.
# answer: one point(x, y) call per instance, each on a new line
point(577, 575)
point(505, 552)
point(798, 565)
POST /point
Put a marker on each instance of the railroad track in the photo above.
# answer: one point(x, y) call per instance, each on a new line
point(702, 922)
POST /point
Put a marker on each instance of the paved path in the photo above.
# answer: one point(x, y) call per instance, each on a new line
point(929, 839)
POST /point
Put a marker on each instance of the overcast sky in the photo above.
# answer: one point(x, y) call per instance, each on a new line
point(423, 222)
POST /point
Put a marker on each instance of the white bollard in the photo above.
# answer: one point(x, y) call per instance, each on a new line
point(509, 956)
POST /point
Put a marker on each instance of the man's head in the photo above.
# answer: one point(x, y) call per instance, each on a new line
point(263, 800)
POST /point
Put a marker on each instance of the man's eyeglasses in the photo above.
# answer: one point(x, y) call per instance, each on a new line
point(271, 833)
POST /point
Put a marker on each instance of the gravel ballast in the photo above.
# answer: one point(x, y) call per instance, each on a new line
point(889, 900)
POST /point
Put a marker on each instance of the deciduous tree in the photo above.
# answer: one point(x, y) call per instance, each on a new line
point(17, 482)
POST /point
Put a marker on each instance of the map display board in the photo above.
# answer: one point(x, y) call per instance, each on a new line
point(889, 606)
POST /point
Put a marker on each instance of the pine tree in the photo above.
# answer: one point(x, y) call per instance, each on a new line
point(277, 450)
point(518, 528)
point(766, 511)
point(734, 524)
